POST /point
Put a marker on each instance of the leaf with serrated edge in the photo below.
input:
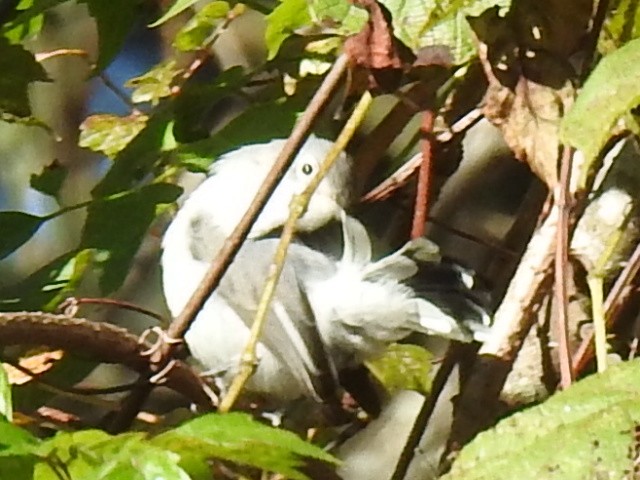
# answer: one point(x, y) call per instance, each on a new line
point(109, 134)
point(238, 438)
point(592, 421)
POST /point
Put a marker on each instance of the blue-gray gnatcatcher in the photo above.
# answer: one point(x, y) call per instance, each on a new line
point(328, 314)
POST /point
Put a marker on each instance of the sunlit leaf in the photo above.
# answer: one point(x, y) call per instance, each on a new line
point(403, 367)
point(97, 455)
point(238, 438)
point(178, 7)
point(109, 134)
point(28, 20)
point(155, 84)
point(6, 405)
point(288, 16)
point(583, 432)
point(14, 440)
point(135, 161)
point(609, 93)
point(195, 33)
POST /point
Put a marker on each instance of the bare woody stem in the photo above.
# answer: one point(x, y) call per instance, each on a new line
point(298, 206)
point(219, 266)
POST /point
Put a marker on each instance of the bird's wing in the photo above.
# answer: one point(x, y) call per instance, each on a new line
point(291, 333)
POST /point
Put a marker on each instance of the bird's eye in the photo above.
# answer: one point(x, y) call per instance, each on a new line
point(307, 169)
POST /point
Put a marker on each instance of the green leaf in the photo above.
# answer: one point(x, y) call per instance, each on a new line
point(624, 23)
point(44, 289)
point(15, 441)
point(17, 466)
point(416, 23)
point(155, 84)
point(114, 20)
point(195, 103)
point(203, 24)
point(137, 459)
point(29, 20)
point(440, 23)
point(609, 93)
point(178, 7)
point(285, 19)
point(583, 432)
point(15, 229)
point(97, 455)
point(117, 225)
point(50, 180)
point(108, 133)
point(247, 128)
point(136, 160)
point(238, 438)
point(17, 451)
point(6, 405)
point(19, 68)
point(403, 367)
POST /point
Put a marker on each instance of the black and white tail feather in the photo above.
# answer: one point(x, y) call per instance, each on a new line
point(442, 290)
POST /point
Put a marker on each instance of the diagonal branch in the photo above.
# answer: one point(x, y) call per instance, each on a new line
point(298, 206)
point(231, 246)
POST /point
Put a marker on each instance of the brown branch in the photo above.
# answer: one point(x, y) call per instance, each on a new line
point(478, 400)
point(232, 244)
point(563, 203)
point(424, 175)
point(401, 176)
point(102, 342)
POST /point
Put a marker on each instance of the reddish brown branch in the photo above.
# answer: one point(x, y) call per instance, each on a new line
point(101, 342)
point(424, 176)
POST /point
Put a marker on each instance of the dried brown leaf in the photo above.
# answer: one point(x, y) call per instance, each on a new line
point(530, 77)
point(376, 50)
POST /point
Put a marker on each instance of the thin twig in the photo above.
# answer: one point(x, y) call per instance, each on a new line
point(563, 203)
point(74, 302)
point(204, 51)
point(76, 392)
point(233, 243)
point(298, 206)
point(119, 92)
point(424, 175)
point(591, 41)
point(402, 175)
point(451, 359)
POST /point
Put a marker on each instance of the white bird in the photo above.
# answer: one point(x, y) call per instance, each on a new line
point(328, 314)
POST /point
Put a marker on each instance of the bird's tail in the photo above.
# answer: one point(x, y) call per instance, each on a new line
point(448, 300)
